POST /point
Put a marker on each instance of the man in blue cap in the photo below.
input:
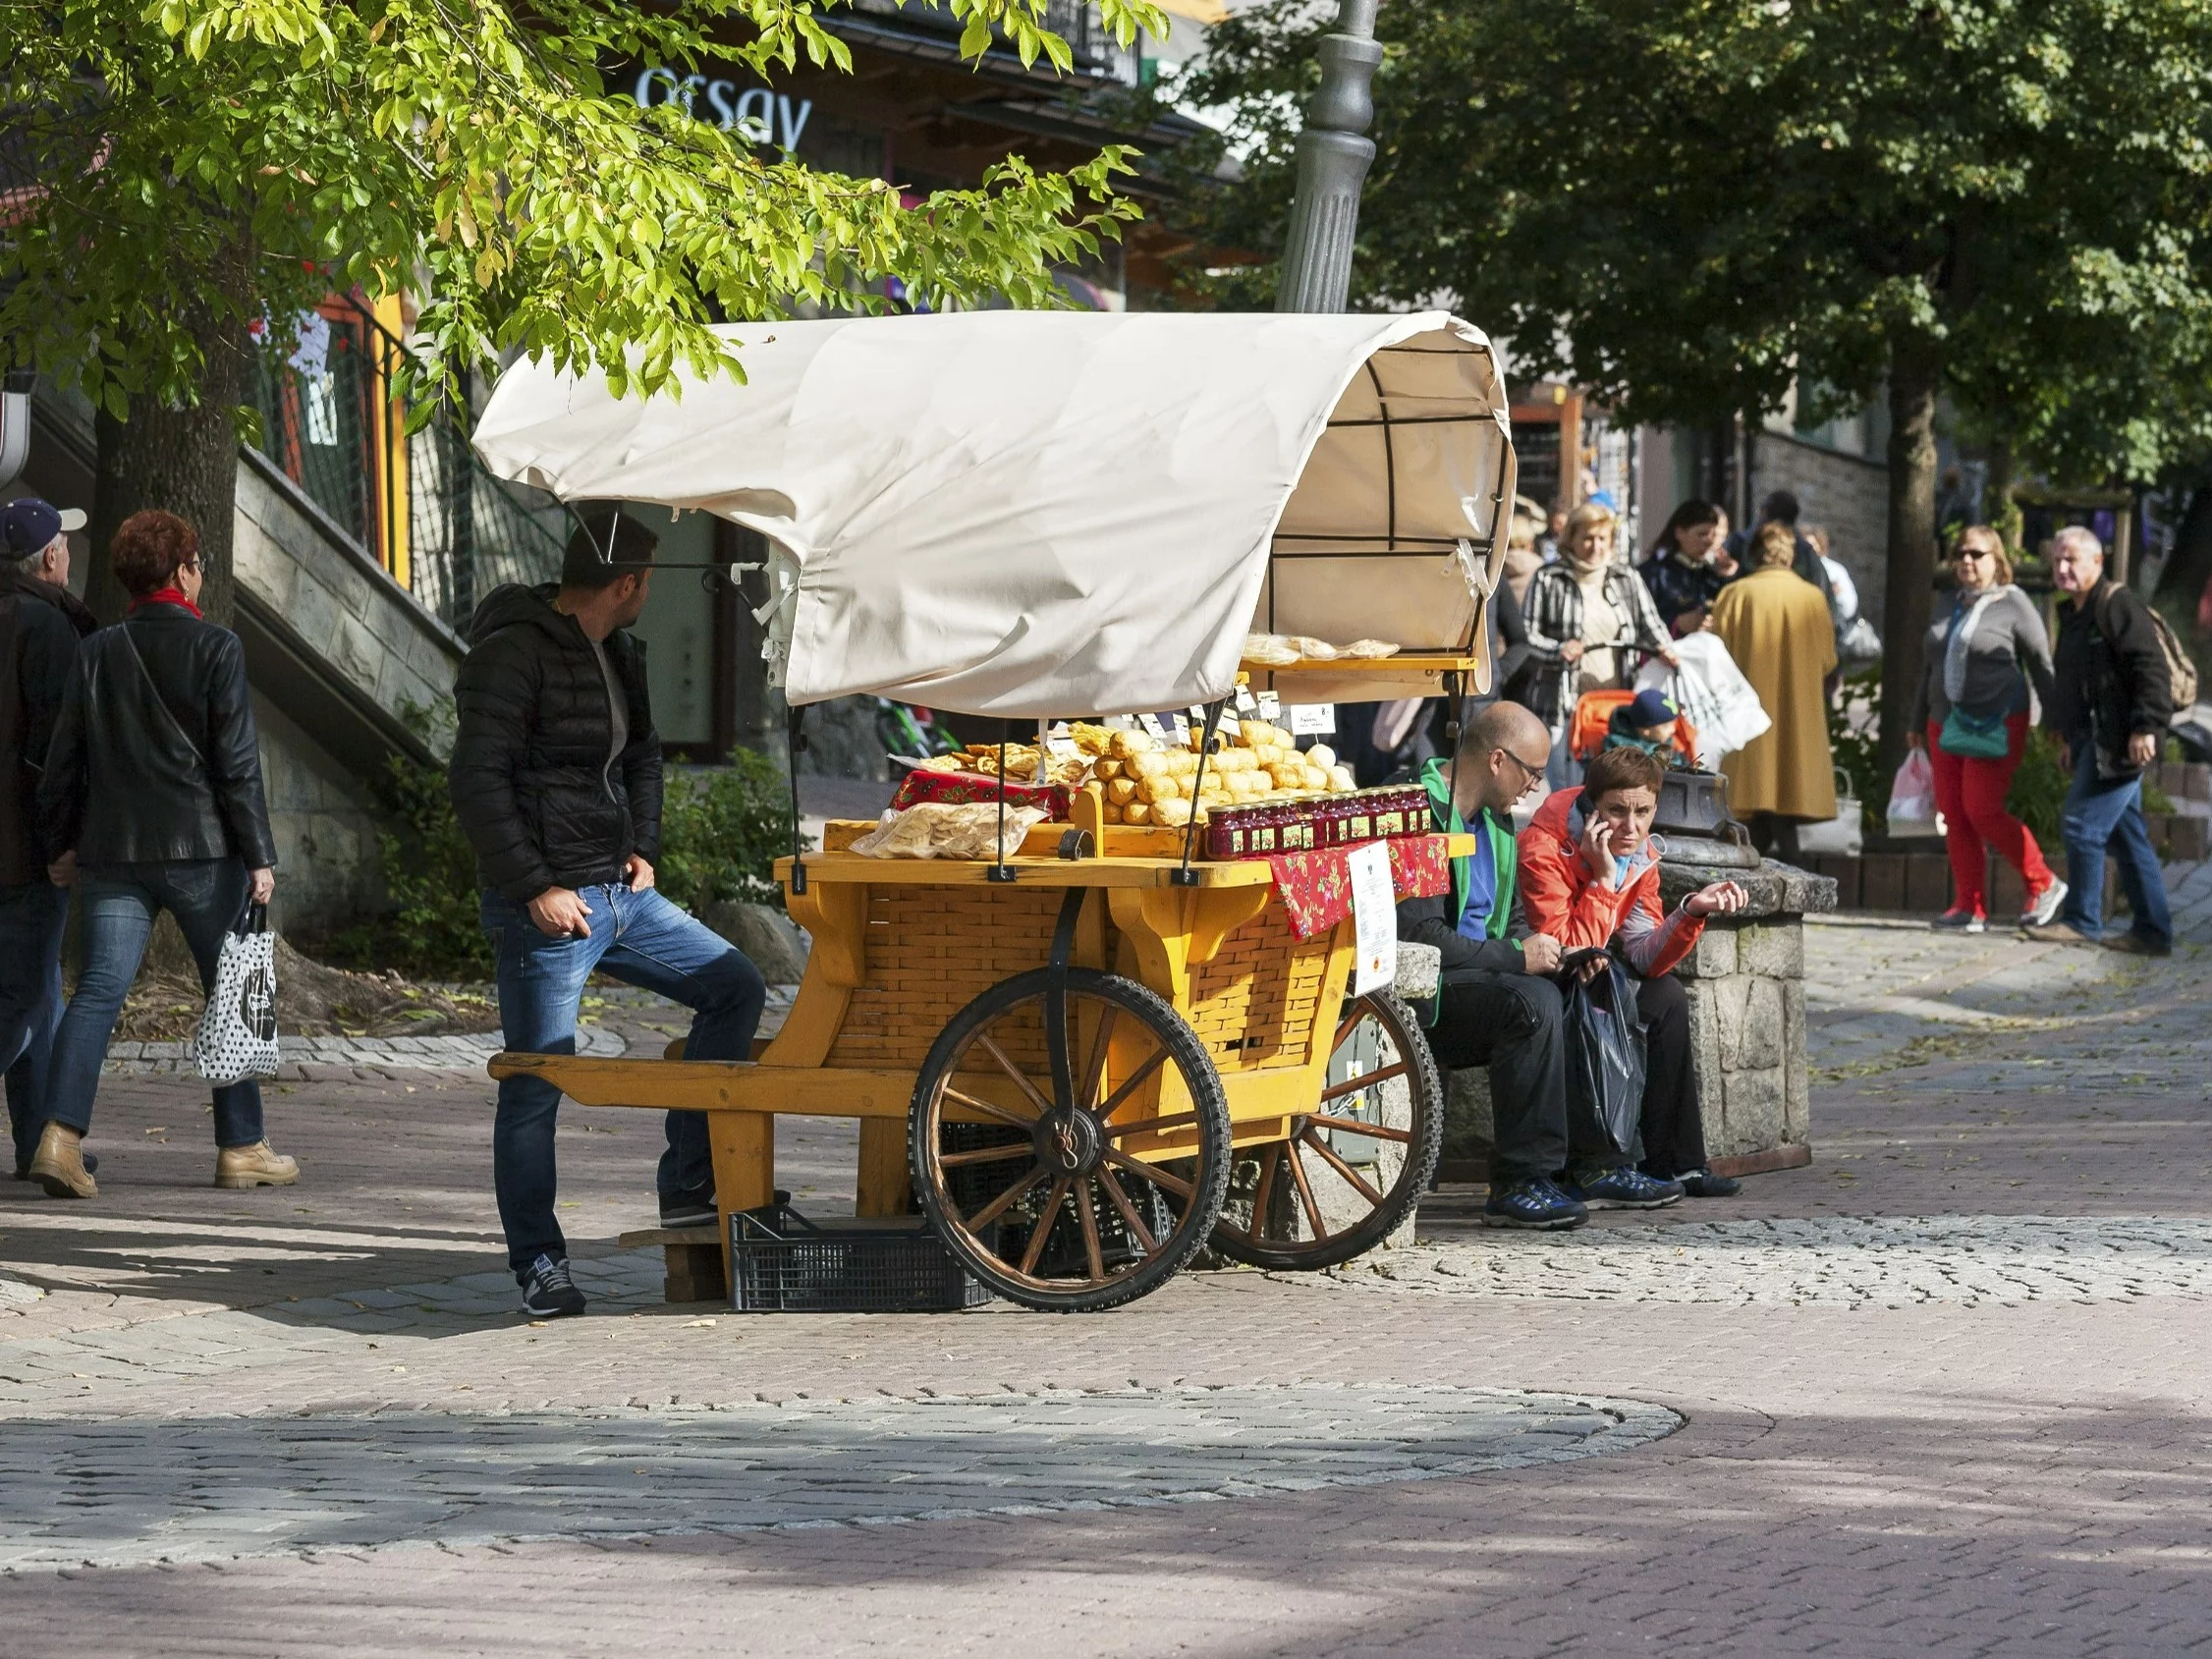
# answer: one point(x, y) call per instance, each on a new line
point(40, 622)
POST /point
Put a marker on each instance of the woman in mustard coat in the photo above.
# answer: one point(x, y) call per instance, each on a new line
point(1776, 625)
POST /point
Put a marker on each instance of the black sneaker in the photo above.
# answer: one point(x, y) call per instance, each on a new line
point(1534, 1204)
point(694, 1208)
point(1704, 1184)
point(1625, 1189)
point(548, 1293)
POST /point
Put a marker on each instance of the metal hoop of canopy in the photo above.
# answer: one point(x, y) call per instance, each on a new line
point(1028, 513)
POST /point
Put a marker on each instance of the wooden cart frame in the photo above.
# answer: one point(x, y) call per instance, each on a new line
point(1210, 1062)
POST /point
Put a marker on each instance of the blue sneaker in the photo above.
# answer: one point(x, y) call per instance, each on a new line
point(1625, 1189)
point(1536, 1204)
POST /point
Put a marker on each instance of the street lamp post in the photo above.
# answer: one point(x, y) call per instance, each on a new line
point(1334, 153)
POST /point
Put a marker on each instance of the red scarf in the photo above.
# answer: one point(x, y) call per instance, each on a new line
point(164, 596)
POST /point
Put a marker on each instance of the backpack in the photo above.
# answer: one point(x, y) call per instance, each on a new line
point(2180, 671)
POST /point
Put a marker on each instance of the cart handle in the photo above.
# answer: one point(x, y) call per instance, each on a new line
point(1186, 876)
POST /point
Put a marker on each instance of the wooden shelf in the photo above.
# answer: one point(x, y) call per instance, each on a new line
point(1405, 662)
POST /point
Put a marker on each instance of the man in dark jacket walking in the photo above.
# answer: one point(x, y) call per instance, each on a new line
point(2112, 698)
point(556, 778)
point(1499, 1004)
point(40, 622)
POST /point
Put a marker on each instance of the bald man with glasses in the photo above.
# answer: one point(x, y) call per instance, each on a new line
point(1500, 1003)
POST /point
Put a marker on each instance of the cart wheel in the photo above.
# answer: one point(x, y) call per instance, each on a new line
point(1354, 1165)
point(1044, 1188)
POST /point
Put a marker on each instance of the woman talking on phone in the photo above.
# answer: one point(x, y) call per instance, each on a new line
point(1589, 877)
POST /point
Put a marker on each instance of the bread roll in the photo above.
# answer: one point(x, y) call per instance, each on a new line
point(1112, 814)
point(1121, 791)
point(1321, 755)
point(1123, 744)
point(1341, 780)
point(1173, 813)
point(1103, 770)
point(1137, 812)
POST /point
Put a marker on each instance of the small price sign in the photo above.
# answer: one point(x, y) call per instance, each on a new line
point(1314, 719)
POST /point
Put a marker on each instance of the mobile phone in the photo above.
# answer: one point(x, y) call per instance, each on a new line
point(1573, 960)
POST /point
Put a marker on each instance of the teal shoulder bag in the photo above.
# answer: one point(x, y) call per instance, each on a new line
point(1974, 737)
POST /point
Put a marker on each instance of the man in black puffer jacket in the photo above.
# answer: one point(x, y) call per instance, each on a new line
point(556, 778)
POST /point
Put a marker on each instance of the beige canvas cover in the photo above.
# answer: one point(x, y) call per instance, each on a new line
point(1041, 513)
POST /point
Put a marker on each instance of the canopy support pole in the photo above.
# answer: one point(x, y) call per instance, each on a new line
point(794, 745)
point(999, 871)
point(1184, 875)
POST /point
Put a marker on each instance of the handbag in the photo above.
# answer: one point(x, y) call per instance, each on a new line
point(238, 1034)
point(1605, 1053)
point(1858, 644)
point(1843, 834)
point(1974, 737)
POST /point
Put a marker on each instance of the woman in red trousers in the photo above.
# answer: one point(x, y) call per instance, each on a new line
point(1971, 717)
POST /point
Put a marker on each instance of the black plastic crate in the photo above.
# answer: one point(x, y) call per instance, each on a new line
point(781, 1262)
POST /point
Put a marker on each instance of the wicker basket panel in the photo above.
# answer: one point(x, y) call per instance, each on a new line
point(1256, 1003)
point(931, 951)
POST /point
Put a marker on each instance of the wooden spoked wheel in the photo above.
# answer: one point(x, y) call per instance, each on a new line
point(1352, 1166)
point(1074, 1184)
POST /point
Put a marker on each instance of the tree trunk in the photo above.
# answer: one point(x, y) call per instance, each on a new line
point(1915, 376)
point(181, 458)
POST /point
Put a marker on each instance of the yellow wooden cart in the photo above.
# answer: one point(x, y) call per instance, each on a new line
point(1086, 1061)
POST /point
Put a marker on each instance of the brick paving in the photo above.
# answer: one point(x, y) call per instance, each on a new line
point(1977, 1427)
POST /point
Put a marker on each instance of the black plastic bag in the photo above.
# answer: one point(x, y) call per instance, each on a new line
point(1605, 1053)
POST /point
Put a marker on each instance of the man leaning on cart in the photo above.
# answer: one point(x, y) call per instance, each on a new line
point(556, 778)
point(1501, 1004)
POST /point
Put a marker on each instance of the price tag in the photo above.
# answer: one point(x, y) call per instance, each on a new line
point(1374, 918)
point(1246, 702)
point(1060, 749)
point(1161, 726)
point(1314, 719)
point(1270, 706)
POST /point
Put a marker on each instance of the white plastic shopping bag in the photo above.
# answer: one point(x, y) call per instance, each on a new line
point(1912, 806)
point(1711, 691)
point(238, 1034)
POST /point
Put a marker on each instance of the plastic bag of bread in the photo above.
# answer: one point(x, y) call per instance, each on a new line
point(1270, 649)
point(938, 830)
point(1367, 649)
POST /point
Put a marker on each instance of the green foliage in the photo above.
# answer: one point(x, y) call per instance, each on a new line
point(722, 830)
point(1693, 205)
point(1853, 740)
point(431, 929)
point(204, 158)
point(2038, 791)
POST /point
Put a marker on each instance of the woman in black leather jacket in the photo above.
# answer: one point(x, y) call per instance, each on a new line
point(154, 789)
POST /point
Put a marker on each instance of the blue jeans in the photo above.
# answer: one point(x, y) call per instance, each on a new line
point(641, 939)
point(207, 897)
point(31, 1001)
point(2101, 814)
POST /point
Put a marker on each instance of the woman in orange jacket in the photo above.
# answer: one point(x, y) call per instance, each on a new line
point(1589, 877)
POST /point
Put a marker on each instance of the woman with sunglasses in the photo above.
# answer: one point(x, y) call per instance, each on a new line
point(1971, 718)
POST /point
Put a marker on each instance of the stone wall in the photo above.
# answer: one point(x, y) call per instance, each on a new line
point(1846, 494)
point(332, 603)
point(328, 871)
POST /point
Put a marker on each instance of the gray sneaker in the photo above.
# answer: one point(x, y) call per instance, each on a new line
point(2045, 907)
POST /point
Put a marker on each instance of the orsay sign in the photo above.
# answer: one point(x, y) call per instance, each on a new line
point(761, 116)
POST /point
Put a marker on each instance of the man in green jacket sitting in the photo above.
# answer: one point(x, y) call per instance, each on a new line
point(1499, 1005)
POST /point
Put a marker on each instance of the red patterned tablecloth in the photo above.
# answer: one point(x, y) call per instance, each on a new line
point(960, 789)
point(1317, 887)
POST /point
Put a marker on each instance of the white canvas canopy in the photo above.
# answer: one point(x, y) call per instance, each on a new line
point(1036, 513)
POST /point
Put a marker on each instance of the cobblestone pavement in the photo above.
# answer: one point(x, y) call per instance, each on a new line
point(135, 1493)
point(1945, 1391)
